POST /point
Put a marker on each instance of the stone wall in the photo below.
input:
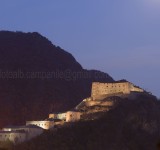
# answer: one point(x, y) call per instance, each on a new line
point(73, 116)
point(15, 137)
point(30, 131)
point(102, 90)
point(99, 103)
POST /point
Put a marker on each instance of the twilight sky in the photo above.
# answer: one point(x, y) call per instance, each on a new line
point(120, 37)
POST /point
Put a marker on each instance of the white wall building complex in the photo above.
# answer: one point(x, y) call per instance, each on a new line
point(18, 134)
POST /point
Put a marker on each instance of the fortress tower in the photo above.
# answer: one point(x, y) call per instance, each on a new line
point(102, 90)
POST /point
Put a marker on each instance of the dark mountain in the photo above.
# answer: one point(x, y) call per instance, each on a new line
point(131, 125)
point(37, 77)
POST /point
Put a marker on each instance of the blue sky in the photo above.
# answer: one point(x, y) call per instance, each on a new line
point(120, 37)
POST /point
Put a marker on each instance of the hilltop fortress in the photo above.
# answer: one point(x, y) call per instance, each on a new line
point(102, 94)
point(101, 100)
point(102, 90)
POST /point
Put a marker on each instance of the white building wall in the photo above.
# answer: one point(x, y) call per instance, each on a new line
point(43, 124)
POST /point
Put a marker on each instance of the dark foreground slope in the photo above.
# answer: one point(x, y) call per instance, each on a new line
point(37, 77)
point(131, 125)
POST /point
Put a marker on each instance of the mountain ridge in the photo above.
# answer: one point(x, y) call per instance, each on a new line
point(33, 98)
